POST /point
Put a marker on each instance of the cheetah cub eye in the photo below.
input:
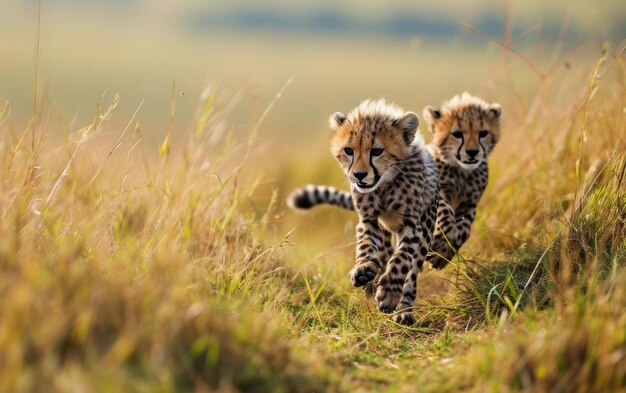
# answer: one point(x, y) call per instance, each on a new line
point(377, 151)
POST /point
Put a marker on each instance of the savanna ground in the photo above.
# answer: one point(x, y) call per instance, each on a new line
point(127, 265)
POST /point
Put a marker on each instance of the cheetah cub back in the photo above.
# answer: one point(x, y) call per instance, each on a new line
point(394, 187)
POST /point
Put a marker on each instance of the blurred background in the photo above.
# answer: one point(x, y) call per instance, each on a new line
point(130, 243)
point(412, 52)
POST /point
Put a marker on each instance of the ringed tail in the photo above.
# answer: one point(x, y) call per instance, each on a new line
point(311, 195)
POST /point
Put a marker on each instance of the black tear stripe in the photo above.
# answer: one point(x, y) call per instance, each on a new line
point(481, 145)
point(458, 152)
point(376, 175)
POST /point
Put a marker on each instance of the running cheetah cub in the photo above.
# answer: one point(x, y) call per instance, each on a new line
point(395, 187)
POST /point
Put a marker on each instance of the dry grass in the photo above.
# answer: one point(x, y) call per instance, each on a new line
point(127, 278)
point(130, 268)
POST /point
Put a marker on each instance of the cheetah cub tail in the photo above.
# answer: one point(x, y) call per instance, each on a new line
point(311, 195)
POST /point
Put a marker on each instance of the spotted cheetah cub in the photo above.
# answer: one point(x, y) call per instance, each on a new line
point(465, 130)
point(395, 188)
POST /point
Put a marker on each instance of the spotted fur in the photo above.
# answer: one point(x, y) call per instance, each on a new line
point(394, 188)
point(461, 161)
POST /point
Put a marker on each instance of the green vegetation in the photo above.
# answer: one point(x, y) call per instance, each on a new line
point(130, 266)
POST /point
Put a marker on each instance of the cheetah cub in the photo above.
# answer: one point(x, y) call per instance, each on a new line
point(395, 187)
point(465, 130)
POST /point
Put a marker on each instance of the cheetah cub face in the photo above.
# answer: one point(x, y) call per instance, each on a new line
point(465, 129)
point(371, 141)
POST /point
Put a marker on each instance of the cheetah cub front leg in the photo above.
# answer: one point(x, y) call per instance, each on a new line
point(397, 287)
point(368, 264)
point(384, 254)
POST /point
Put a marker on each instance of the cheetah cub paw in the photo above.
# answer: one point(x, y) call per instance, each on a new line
point(364, 271)
point(387, 298)
point(405, 318)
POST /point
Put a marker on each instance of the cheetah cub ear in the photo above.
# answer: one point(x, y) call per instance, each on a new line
point(431, 115)
point(408, 124)
point(336, 120)
point(495, 111)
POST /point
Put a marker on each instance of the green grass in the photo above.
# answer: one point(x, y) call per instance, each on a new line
point(131, 267)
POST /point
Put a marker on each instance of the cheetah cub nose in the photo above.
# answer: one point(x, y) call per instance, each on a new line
point(360, 175)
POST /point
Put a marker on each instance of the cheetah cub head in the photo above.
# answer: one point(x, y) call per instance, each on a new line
point(371, 141)
point(465, 129)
